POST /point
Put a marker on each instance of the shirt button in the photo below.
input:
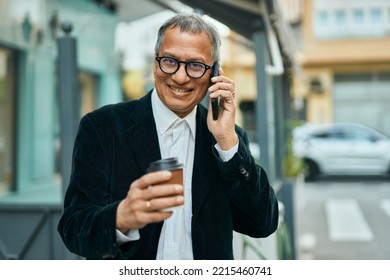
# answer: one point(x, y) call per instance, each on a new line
point(171, 244)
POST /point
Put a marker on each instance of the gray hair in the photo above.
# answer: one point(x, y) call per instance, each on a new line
point(191, 23)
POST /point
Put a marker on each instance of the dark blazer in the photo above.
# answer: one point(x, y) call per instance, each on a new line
point(114, 146)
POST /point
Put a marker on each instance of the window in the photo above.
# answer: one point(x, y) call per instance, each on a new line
point(340, 17)
point(375, 16)
point(323, 18)
point(8, 120)
point(356, 134)
point(334, 19)
point(358, 16)
point(321, 23)
point(322, 135)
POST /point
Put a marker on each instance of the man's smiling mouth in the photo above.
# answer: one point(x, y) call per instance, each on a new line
point(179, 90)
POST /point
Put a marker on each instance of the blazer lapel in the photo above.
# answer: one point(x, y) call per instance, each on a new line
point(202, 164)
point(142, 134)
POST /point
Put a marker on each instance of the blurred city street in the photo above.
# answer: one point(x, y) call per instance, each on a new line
point(294, 63)
point(344, 218)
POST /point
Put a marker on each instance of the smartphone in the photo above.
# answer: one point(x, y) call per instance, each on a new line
point(215, 101)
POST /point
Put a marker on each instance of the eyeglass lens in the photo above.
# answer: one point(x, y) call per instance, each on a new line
point(193, 69)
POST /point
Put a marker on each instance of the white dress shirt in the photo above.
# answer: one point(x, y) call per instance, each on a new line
point(176, 138)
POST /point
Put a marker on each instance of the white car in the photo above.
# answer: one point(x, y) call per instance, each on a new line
point(342, 149)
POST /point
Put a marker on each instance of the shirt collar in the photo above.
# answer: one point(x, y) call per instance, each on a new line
point(166, 117)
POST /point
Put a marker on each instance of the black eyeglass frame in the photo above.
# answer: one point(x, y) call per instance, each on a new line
point(186, 63)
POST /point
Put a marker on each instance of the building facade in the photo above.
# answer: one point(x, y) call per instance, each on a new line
point(31, 191)
point(344, 62)
point(29, 108)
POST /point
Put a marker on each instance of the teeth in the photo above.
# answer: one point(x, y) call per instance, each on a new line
point(179, 90)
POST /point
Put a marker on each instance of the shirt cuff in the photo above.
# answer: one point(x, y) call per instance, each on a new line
point(131, 235)
point(226, 155)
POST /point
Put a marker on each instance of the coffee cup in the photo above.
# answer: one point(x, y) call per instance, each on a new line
point(176, 168)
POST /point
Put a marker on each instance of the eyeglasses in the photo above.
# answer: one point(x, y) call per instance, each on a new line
point(170, 65)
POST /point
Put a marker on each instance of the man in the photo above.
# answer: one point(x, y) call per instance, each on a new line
point(113, 207)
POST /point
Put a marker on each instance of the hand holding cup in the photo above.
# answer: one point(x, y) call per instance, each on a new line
point(152, 197)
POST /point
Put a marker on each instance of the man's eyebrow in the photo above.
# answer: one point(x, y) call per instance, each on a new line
point(199, 59)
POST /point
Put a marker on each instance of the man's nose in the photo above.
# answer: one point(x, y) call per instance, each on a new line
point(181, 74)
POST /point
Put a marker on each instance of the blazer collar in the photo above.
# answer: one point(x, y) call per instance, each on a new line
point(142, 134)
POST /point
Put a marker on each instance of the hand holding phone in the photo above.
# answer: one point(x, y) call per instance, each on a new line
point(215, 101)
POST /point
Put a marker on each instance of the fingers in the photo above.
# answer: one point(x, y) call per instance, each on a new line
point(222, 87)
point(222, 83)
point(152, 178)
point(164, 190)
point(134, 218)
point(223, 128)
point(155, 198)
point(146, 199)
point(162, 203)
